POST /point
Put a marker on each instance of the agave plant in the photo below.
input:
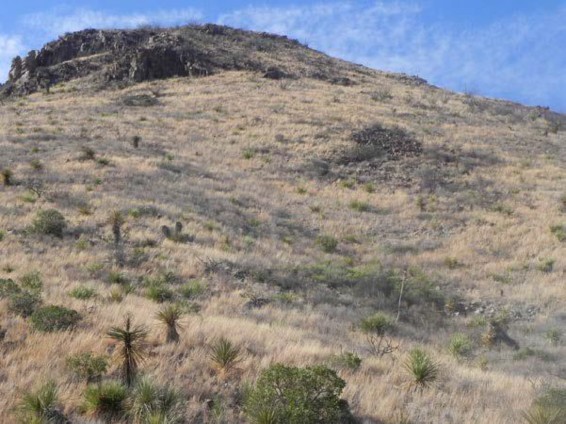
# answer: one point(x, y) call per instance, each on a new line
point(132, 350)
point(40, 406)
point(422, 369)
point(170, 316)
point(151, 403)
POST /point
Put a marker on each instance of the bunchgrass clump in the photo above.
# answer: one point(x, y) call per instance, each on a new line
point(360, 206)
point(559, 232)
point(31, 281)
point(153, 403)
point(40, 406)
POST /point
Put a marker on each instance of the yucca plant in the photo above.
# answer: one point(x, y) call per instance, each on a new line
point(169, 316)
point(421, 368)
point(106, 400)
point(40, 406)
point(132, 349)
point(224, 354)
point(151, 403)
point(549, 408)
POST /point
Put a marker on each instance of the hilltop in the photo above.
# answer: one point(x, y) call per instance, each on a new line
point(281, 198)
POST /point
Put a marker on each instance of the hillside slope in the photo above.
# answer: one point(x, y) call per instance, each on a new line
point(307, 203)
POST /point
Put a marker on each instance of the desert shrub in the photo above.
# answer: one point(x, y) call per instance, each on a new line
point(192, 289)
point(54, 318)
point(151, 403)
point(31, 281)
point(87, 366)
point(40, 406)
point(293, 395)
point(559, 232)
point(346, 360)
point(224, 354)
point(106, 400)
point(377, 328)
point(460, 345)
point(8, 287)
point(36, 165)
point(327, 243)
point(24, 303)
point(2, 234)
point(554, 336)
point(87, 153)
point(360, 206)
point(117, 277)
point(83, 293)
point(422, 370)
point(549, 408)
point(159, 293)
point(49, 222)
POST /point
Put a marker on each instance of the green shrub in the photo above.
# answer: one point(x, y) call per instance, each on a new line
point(83, 293)
point(32, 281)
point(360, 206)
point(117, 277)
point(106, 400)
point(192, 289)
point(421, 368)
point(87, 366)
point(159, 293)
point(49, 222)
point(293, 395)
point(554, 335)
point(24, 303)
point(54, 318)
point(8, 287)
point(460, 345)
point(378, 324)
point(546, 265)
point(346, 360)
point(327, 243)
point(549, 408)
point(559, 232)
point(2, 234)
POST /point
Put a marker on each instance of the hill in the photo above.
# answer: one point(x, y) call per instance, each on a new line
point(310, 193)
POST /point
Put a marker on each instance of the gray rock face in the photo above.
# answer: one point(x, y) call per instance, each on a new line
point(133, 56)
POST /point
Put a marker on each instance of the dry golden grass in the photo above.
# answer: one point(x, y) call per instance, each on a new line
point(226, 156)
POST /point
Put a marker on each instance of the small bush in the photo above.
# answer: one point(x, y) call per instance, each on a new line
point(117, 277)
point(54, 318)
point(460, 345)
point(24, 303)
point(559, 232)
point(346, 360)
point(49, 222)
point(32, 281)
point(293, 395)
point(360, 206)
point(159, 293)
point(378, 323)
point(2, 234)
point(554, 336)
point(421, 368)
point(83, 293)
point(327, 243)
point(107, 400)
point(8, 287)
point(546, 265)
point(192, 289)
point(87, 366)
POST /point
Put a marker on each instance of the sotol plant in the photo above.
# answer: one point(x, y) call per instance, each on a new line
point(224, 354)
point(131, 351)
point(422, 370)
point(169, 316)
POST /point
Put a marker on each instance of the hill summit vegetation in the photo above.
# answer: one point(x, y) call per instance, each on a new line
point(209, 225)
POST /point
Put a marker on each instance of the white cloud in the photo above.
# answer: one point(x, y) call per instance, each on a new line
point(522, 57)
point(10, 46)
point(56, 22)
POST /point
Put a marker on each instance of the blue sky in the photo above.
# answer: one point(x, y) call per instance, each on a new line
point(513, 49)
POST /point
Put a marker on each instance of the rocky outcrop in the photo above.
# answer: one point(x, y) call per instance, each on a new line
point(138, 55)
